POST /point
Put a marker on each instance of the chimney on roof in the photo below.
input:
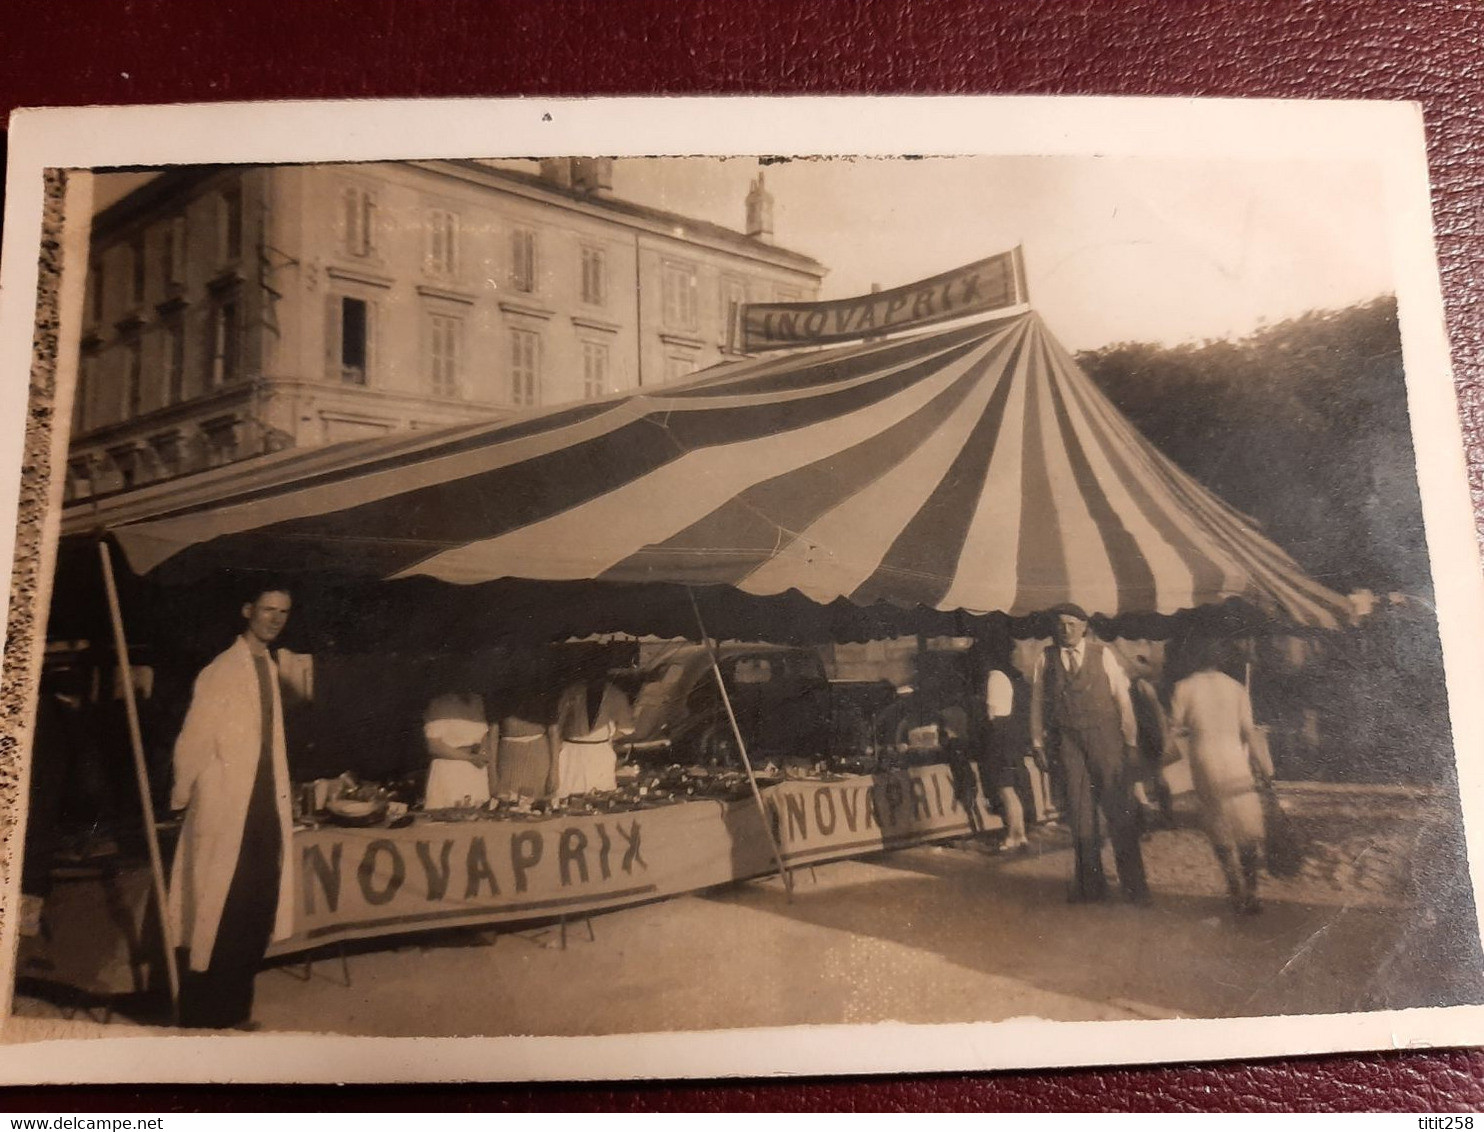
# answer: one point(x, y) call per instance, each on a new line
point(593, 175)
point(759, 211)
point(558, 171)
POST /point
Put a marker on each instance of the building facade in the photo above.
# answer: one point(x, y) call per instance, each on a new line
point(233, 312)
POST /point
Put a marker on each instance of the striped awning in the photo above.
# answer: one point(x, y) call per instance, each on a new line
point(975, 468)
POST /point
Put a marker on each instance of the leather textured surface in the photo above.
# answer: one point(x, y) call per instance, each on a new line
point(67, 52)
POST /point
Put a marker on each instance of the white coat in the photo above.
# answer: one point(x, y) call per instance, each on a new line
point(216, 763)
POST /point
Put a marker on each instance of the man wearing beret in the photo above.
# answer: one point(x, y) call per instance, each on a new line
point(1083, 719)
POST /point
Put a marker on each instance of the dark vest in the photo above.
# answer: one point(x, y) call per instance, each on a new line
point(1083, 702)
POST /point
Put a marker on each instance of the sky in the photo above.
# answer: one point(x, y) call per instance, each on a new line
point(1116, 249)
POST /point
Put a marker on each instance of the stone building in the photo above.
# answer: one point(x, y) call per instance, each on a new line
point(237, 311)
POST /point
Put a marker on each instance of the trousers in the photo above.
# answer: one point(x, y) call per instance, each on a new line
point(1098, 780)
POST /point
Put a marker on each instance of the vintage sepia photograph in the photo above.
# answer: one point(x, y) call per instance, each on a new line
point(547, 597)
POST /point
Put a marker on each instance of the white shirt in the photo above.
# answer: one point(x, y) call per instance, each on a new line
point(1117, 683)
point(1000, 695)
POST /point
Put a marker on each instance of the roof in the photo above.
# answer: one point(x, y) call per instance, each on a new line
point(975, 468)
point(160, 191)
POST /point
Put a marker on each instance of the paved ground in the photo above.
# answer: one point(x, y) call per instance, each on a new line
point(934, 934)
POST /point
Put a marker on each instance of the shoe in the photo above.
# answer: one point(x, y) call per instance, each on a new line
point(248, 1026)
point(1009, 845)
point(1141, 899)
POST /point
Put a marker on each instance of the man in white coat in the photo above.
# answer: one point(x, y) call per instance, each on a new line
point(231, 890)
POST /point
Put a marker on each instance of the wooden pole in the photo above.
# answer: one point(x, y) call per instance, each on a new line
point(757, 796)
point(141, 775)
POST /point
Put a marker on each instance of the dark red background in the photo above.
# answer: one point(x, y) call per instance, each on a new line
point(75, 52)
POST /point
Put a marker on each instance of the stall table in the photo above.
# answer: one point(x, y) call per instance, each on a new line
point(363, 883)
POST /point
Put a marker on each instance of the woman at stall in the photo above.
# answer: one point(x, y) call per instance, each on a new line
point(1005, 744)
point(455, 729)
point(525, 740)
point(591, 716)
point(1211, 717)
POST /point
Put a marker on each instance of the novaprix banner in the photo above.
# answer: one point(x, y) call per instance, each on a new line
point(990, 284)
point(362, 883)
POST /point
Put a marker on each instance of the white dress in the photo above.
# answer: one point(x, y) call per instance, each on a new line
point(455, 721)
point(586, 760)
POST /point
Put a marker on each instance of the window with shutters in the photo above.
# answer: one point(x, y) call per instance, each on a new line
point(594, 370)
point(224, 345)
point(678, 367)
point(525, 368)
point(133, 377)
point(352, 339)
point(87, 384)
point(97, 288)
point(173, 252)
point(174, 385)
point(229, 224)
point(523, 265)
point(594, 277)
point(441, 258)
point(358, 221)
point(137, 264)
point(733, 298)
point(445, 350)
point(679, 287)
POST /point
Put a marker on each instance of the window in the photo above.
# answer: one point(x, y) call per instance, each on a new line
point(172, 252)
point(355, 340)
point(594, 370)
point(525, 367)
point(442, 255)
point(98, 283)
point(229, 223)
point(678, 367)
point(87, 377)
point(174, 359)
point(136, 269)
point(224, 347)
point(679, 292)
point(133, 376)
point(358, 221)
point(523, 260)
point(733, 298)
point(594, 277)
point(445, 340)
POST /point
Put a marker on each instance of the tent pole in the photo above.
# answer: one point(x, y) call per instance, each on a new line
point(726, 699)
point(141, 774)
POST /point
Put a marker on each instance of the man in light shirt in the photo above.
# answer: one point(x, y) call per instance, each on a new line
point(1082, 718)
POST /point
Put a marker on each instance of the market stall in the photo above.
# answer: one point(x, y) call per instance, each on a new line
point(458, 869)
point(971, 469)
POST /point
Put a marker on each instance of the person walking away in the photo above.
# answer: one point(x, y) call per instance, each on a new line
point(1211, 716)
point(232, 887)
point(1082, 719)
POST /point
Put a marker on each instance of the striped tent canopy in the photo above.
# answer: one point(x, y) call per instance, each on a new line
point(975, 468)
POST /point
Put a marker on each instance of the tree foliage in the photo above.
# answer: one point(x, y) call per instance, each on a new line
point(1303, 426)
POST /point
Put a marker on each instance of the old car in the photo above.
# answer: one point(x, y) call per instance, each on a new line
point(780, 695)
